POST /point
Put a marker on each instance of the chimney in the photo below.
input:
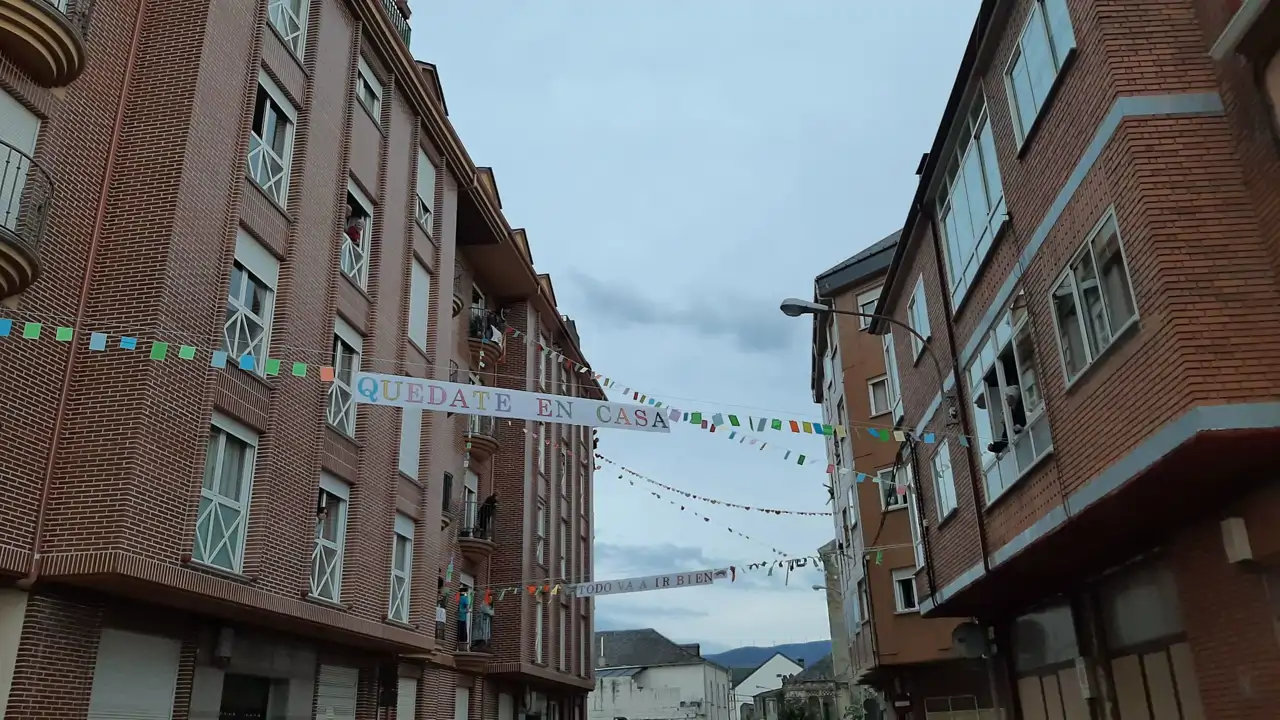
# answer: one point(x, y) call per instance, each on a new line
point(693, 649)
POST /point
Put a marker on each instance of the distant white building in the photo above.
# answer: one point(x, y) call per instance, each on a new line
point(768, 676)
point(641, 675)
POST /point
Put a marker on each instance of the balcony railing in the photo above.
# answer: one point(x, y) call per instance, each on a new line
point(477, 520)
point(397, 20)
point(26, 192)
point(482, 425)
point(446, 495)
point(475, 634)
point(486, 326)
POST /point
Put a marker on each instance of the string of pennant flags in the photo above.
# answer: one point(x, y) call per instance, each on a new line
point(712, 501)
point(733, 426)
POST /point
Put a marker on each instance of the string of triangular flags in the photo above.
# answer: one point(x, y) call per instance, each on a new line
point(713, 501)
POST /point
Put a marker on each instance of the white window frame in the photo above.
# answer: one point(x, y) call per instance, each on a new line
point(564, 640)
point(290, 23)
point(1067, 276)
point(895, 381)
point(870, 297)
point(888, 395)
point(260, 266)
point(888, 480)
point(913, 514)
point(1002, 471)
point(1056, 48)
point(564, 550)
point(354, 262)
point(328, 570)
point(540, 534)
point(900, 604)
point(963, 262)
point(419, 304)
point(425, 206)
point(542, 449)
point(918, 318)
point(470, 499)
point(398, 607)
point(366, 76)
point(273, 182)
point(538, 606)
point(410, 459)
point(234, 533)
point(342, 405)
point(944, 481)
point(542, 362)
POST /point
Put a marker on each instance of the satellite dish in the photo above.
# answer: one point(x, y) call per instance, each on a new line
point(970, 640)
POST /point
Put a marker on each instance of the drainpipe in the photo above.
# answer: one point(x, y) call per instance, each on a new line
point(99, 219)
point(961, 416)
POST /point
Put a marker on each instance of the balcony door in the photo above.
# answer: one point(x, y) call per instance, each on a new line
point(470, 499)
point(18, 131)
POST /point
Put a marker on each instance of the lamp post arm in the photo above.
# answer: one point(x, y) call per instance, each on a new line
point(924, 342)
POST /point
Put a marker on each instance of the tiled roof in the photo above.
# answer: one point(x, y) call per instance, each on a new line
point(631, 648)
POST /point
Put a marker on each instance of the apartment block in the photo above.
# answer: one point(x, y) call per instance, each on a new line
point(212, 215)
point(908, 660)
point(1093, 258)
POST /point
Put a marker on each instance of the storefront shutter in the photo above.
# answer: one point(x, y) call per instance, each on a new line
point(134, 677)
point(336, 693)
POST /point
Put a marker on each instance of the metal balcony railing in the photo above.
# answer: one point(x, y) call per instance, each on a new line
point(26, 193)
point(77, 13)
point(476, 632)
point(397, 20)
point(486, 326)
point(477, 520)
point(482, 425)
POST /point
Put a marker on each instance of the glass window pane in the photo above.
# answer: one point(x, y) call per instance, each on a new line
point(1075, 355)
point(1115, 285)
point(1097, 331)
point(991, 168)
point(233, 461)
point(211, 459)
point(1038, 57)
point(1059, 21)
point(1023, 95)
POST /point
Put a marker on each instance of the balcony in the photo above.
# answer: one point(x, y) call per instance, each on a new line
point(459, 275)
point(474, 636)
point(486, 334)
point(397, 13)
point(45, 38)
point(475, 538)
point(26, 191)
point(482, 436)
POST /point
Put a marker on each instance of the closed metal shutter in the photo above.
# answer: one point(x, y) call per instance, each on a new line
point(336, 693)
point(134, 677)
point(407, 699)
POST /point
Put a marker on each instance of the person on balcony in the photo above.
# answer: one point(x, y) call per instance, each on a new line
point(464, 610)
point(442, 615)
point(355, 226)
point(484, 519)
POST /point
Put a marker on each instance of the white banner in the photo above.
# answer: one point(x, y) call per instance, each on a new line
point(411, 392)
point(649, 582)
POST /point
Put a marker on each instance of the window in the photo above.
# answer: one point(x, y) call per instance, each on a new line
point(271, 140)
point(906, 481)
point(562, 473)
point(410, 440)
point(331, 531)
point(357, 236)
point(401, 565)
point(289, 18)
point(540, 535)
point(564, 644)
point(564, 551)
point(970, 202)
point(852, 501)
point(538, 604)
point(542, 362)
point(918, 318)
point(426, 190)
point(542, 439)
point(867, 306)
point(250, 302)
point(419, 305)
point(584, 669)
point(1093, 300)
point(864, 600)
point(1036, 61)
point(856, 603)
point(944, 480)
point(347, 345)
point(369, 90)
point(904, 590)
point(878, 389)
point(224, 494)
point(1007, 406)
point(470, 501)
point(891, 366)
point(889, 497)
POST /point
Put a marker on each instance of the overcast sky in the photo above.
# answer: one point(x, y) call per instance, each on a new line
point(680, 168)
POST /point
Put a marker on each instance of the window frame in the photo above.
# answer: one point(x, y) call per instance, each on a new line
point(366, 75)
point(540, 534)
point(543, 349)
point(539, 626)
point(228, 427)
point(1109, 216)
point(419, 307)
point(258, 264)
point(336, 488)
point(411, 454)
point(899, 602)
point(885, 505)
point(564, 550)
point(402, 529)
point(939, 493)
point(871, 395)
point(864, 298)
point(344, 334)
point(358, 257)
point(286, 109)
point(896, 406)
point(1056, 56)
point(918, 303)
point(425, 207)
point(298, 48)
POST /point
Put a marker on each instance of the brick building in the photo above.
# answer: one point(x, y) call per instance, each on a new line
point(1094, 254)
point(216, 200)
point(907, 659)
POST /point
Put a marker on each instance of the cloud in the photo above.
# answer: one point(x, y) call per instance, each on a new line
point(753, 324)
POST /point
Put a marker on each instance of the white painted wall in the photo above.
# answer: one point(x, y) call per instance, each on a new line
point(698, 691)
point(766, 677)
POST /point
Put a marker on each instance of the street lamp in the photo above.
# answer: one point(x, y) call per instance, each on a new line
point(819, 587)
point(795, 307)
